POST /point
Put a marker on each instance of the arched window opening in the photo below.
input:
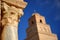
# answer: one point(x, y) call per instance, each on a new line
point(40, 21)
point(32, 22)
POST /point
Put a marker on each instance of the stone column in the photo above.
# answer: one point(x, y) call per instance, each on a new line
point(0, 19)
point(11, 11)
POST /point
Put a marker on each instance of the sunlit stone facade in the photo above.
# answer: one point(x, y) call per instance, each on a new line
point(38, 29)
point(10, 12)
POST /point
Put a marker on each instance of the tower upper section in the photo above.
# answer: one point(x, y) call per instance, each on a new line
point(36, 18)
point(39, 21)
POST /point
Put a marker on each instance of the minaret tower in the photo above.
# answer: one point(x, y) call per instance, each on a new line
point(38, 29)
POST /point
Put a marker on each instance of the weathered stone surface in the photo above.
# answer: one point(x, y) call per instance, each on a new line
point(10, 33)
point(16, 3)
point(11, 14)
point(38, 29)
point(0, 19)
point(11, 11)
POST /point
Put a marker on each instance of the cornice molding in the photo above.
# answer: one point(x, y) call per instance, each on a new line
point(18, 4)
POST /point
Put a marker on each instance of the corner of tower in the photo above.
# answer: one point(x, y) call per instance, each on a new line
point(39, 18)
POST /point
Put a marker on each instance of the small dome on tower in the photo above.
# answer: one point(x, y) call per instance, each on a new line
point(36, 14)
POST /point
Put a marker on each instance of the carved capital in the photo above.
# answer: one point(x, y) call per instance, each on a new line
point(11, 14)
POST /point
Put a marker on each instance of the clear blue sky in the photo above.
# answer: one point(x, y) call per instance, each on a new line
point(50, 9)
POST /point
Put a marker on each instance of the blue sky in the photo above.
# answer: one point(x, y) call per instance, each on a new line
point(50, 9)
